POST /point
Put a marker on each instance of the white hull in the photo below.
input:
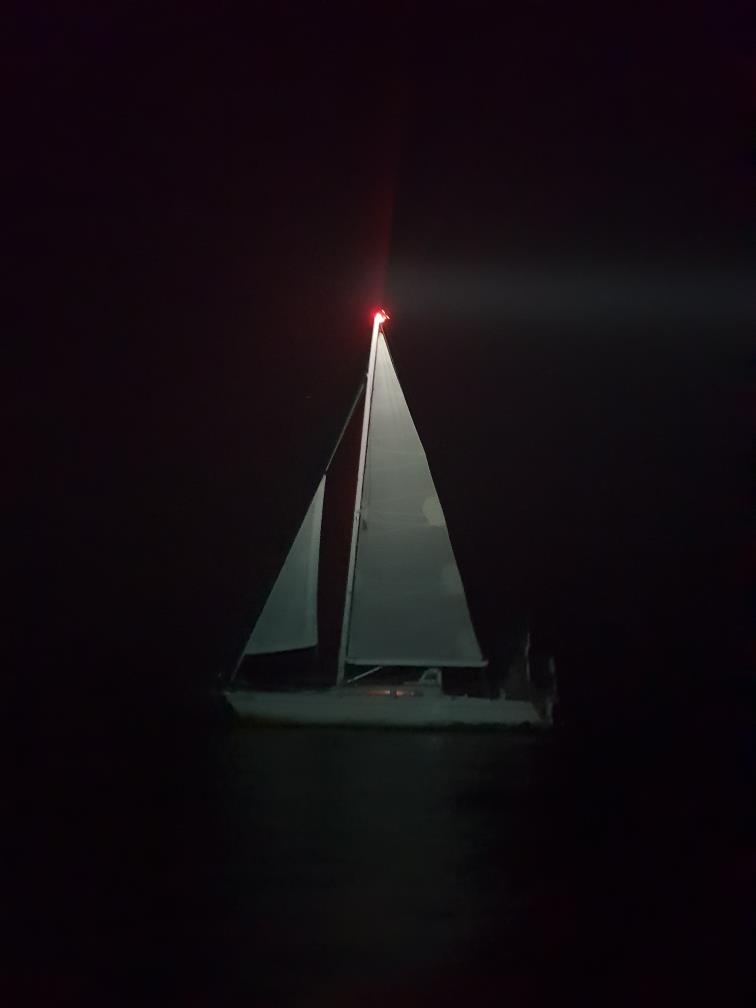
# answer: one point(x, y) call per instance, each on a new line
point(393, 707)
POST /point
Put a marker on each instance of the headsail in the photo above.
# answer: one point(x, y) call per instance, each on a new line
point(289, 617)
point(408, 604)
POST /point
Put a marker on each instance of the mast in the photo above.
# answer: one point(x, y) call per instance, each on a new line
point(380, 318)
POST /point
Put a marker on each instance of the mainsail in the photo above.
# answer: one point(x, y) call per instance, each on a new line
point(289, 619)
point(408, 604)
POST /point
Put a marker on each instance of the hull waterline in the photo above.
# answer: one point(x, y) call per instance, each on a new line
point(392, 709)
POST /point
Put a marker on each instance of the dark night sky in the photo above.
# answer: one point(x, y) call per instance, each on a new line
point(555, 203)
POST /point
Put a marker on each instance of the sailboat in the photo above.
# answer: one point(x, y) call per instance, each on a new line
point(404, 605)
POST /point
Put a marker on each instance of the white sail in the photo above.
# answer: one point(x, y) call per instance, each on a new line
point(408, 604)
point(289, 617)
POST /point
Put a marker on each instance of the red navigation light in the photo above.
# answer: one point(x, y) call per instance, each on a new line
point(382, 316)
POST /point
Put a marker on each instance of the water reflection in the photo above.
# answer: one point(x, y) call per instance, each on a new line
point(374, 858)
point(309, 867)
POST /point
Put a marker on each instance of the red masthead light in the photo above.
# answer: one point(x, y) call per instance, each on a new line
point(382, 316)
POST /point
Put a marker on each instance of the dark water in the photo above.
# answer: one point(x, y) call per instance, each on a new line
point(381, 859)
point(309, 867)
